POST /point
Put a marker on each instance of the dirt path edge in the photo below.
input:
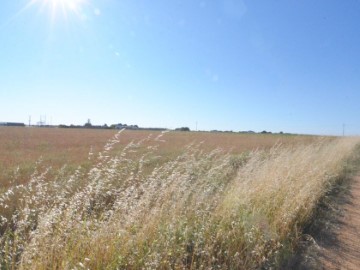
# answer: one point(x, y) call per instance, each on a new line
point(332, 240)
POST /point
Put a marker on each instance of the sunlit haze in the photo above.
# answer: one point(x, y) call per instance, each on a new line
point(290, 66)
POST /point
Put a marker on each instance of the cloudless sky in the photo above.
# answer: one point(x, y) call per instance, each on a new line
point(276, 65)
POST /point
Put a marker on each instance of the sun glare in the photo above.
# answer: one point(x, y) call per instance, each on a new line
point(60, 7)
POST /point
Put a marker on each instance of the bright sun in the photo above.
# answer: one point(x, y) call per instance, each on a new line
point(65, 7)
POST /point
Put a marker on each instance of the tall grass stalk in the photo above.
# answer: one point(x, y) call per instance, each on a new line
point(199, 210)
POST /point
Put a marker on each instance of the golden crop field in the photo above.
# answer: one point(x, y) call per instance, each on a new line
point(103, 199)
point(23, 147)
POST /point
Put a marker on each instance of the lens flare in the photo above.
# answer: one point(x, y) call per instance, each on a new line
point(60, 7)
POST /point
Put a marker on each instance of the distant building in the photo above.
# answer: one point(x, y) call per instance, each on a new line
point(124, 126)
point(11, 124)
point(247, 132)
point(135, 127)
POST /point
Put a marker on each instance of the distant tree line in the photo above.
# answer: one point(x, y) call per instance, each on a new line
point(182, 129)
point(88, 125)
point(136, 127)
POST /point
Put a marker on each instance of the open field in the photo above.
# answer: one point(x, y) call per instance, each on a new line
point(22, 147)
point(148, 200)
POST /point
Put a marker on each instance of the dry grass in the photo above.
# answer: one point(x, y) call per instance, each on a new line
point(157, 202)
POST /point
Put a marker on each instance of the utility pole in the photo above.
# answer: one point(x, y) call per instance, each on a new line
point(196, 125)
point(343, 126)
point(29, 120)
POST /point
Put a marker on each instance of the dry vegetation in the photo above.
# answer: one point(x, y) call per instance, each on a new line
point(20, 148)
point(152, 200)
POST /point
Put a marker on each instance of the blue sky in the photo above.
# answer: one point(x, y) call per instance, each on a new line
point(281, 65)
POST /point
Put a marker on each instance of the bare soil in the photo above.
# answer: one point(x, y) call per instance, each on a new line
point(333, 241)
